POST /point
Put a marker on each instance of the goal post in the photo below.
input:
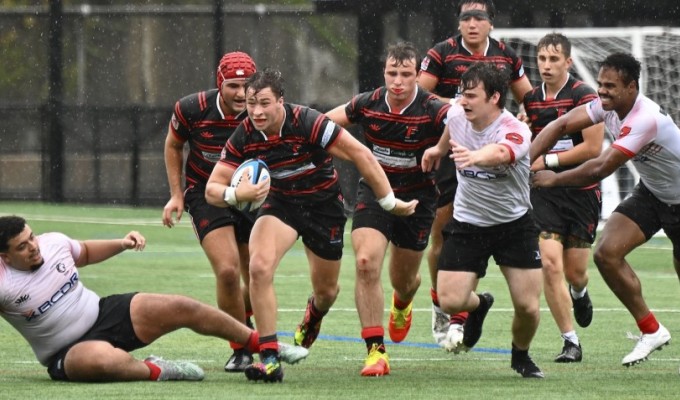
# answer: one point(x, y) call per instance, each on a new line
point(657, 49)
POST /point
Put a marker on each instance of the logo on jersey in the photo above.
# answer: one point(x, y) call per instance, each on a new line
point(22, 299)
point(54, 299)
point(374, 127)
point(515, 138)
point(410, 131)
point(625, 130)
point(206, 135)
point(424, 64)
point(174, 122)
point(461, 68)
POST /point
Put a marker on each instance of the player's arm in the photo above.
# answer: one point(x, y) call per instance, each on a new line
point(174, 156)
point(94, 251)
point(520, 88)
point(491, 155)
point(588, 173)
point(339, 115)
point(219, 193)
point(429, 82)
point(575, 120)
point(348, 148)
point(591, 147)
point(433, 155)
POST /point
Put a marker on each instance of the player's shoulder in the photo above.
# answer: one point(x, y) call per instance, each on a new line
point(197, 103)
point(579, 88)
point(499, 47)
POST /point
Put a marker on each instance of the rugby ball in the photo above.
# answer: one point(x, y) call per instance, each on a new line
point(258, 171)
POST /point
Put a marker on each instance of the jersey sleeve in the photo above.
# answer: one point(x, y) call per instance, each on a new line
point(180, 120)
point(353, 108)
point(433, 62)
point(595, 111)
point(320, 129)
point(583, 94)
point(635, 135)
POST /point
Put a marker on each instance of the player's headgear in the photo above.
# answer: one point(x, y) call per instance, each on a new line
point(233, 65)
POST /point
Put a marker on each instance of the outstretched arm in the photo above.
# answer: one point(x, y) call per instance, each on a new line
point(591, 171)
point(575, 120)
point(349, 148)
point(94, 251)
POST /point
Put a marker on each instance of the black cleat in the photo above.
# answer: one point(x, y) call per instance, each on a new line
point(269, 370)
point(239, 361)
point(525, 366)
point(570, 353)
point(583, 310)
point(472, 329)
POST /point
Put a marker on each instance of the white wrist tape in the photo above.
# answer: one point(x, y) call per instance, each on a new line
point(388, 202)
point(552, 161)
point(230, 196)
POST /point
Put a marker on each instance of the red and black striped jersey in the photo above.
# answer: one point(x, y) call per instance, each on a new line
point(541, 110)
point(448, 60)
point(398, 141)
point(300, 166)
point(197, 119)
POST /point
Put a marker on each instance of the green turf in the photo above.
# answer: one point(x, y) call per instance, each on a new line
point(174, 263)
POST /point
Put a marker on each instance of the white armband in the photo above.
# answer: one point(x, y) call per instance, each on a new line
point(230, 196)
point(551, 161)
point(388, 202)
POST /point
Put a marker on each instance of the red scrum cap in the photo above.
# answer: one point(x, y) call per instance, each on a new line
point(236, 64)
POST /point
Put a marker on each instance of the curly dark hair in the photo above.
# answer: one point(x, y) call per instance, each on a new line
point(10, 227)
point(626, 65)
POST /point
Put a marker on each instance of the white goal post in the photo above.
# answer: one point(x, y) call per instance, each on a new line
point(657, 48)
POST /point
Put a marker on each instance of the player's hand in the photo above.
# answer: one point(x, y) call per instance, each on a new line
point(543, 178)
point(431, 159)
point(246, 191)
point(524, 118)
point(538, 165)
point(403, 208)
point(461, 155)
point(134, 240)
point(174, 205)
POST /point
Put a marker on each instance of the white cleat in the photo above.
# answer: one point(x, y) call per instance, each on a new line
point(453, 342)
point(440, 325)
point(292, 354)
point(647, 343)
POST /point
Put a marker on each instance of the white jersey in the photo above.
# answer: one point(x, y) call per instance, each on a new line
point(50, 307)
point(497, 195)
point(649, 136)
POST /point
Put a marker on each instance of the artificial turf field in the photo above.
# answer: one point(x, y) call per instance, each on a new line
point(173, 262)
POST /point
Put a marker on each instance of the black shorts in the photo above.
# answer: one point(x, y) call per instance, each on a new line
point(412, 232)
point(567, 211)
point(652, 215)
point(206, 218)
point(320, 224)
point(447, 181)
point(468, 247)
point(113, 325)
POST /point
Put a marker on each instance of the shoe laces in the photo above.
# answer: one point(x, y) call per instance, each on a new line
point(400, 316)
point(374, 354)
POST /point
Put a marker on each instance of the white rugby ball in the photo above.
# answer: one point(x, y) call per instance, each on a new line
point(258, 171)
